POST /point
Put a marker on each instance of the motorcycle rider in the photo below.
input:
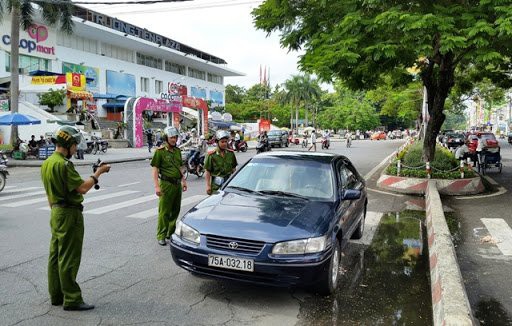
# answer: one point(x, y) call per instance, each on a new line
point(327, 138)
point(169, 183)
point(220, 163)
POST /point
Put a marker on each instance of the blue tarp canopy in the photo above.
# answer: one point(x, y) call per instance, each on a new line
point(17, 119)
point(113, 105)
point(221, 124)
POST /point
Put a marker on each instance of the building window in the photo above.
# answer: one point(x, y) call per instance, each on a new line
point(159, 86)
point(116, 52)
point(28, 64)
point(215, 79)
point(198, 74)
point(149, 61)
point(77, 42)
point(175, 68)
point(144, 84)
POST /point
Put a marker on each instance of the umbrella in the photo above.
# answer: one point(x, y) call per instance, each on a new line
point(17, 119)
point(308, 129)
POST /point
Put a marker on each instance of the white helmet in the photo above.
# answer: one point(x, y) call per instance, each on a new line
point(171, 132)
point(222, 134)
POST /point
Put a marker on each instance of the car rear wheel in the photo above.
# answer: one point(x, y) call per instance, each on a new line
point(330, 276)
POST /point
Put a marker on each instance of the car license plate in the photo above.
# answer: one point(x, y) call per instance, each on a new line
point(228, 262)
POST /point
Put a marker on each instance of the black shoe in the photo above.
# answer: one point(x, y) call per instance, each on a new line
point(57, 303)
point(80, 307)
point(162, 242)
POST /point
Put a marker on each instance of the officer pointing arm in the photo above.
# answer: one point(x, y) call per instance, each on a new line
point(65, 189)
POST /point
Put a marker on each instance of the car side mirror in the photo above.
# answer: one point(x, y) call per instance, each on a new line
point(350, 194)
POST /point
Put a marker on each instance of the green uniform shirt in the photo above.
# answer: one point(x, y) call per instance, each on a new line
point(220, 166)
point(168, 161)
point(60, 180)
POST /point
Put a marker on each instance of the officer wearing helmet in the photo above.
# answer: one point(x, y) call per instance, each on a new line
point(169, 183)
point(219, 163)
point(65, 189)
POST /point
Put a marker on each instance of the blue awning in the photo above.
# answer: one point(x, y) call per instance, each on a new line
point(103, 96)
point(115, 105)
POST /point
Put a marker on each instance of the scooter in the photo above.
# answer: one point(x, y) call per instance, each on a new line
point(194, 163)
point(240, 147)
point(325, 143)
point(262, 146)
point(3, 170)
point(98, 145)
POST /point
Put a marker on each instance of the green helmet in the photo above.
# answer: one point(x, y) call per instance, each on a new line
point(66, 136)
point(171, 132)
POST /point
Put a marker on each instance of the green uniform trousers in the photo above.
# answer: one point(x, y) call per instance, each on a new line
point(168, 209)
point(67, 226)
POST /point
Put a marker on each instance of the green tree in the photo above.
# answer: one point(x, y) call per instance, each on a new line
point(21, 13)
point(300, 90)
point(52, 98)
point(235, 94)
point(362, 41)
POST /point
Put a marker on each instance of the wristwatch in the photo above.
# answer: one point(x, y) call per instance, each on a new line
point(95, 179)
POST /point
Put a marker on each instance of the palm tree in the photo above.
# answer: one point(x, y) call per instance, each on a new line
point(22, 13)
point(300, 90)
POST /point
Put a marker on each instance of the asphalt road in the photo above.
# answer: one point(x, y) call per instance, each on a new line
point(124, 272)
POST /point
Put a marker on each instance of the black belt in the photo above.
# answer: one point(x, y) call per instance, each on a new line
point(169, 179)
point(67, 205)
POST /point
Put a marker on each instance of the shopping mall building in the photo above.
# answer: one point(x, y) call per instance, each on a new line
point(105, 61)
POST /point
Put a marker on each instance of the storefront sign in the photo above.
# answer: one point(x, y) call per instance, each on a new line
point(120, 83)
point(75, 82)
point(264, 125)
point(38, 40)
point(170, 97)
point(198, 92)
point(48, 80)
point(176, 89)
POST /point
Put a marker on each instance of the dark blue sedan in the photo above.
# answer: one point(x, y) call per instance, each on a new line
point(282, 220)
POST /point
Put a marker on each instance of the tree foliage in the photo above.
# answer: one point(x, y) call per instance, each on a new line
point(362, 41)
point(52, 98)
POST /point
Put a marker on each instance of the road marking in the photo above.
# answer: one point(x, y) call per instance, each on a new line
point(129, 184)
point(28, 194)
point(371, 224)
point(384, 192)
point(102, 197)
point(501, 232)
point(22, 189)
point(29, 202)
point(154, 211)
point(124, 204)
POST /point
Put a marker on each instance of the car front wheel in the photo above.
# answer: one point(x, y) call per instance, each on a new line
point(330, 276)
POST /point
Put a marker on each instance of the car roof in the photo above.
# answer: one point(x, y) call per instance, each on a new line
point(298, 155)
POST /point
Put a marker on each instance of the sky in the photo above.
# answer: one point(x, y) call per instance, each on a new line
point(223, 28)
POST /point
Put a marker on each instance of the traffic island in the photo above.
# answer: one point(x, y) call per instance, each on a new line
point(418, 186)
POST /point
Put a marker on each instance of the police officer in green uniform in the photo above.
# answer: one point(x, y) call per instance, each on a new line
point(169, 183)
point(219, 163)
point(65, 189)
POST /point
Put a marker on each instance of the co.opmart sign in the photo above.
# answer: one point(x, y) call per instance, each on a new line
point(38, 40)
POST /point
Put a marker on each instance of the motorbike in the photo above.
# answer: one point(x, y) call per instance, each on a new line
point(326, 143)
point(96, 145)
point(3, 170)
point(194, 163)
point(240, 147)
point(262, 146)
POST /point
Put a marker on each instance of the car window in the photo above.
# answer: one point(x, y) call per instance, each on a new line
point(488, 137)
point(273, 133)
point(305, 178)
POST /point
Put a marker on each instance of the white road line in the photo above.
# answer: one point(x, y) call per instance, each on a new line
point(9, 187)
point(28, 202)
point(132, 202)
point(102, 197)
point(370, 227)
point(129, 184)
point(28, 194)
point(501, 232)
point(154, 211)
point(22, 189)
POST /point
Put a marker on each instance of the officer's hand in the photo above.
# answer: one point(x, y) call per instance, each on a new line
point(104, 168)
point(184, 185)
point(158, 191)
point(209, 190)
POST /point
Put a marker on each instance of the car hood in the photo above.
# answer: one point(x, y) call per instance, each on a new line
point(263, 218)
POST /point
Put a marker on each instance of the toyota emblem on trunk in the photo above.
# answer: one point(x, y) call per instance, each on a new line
point(233, 245)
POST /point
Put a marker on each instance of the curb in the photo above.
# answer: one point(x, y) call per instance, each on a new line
point(417, 186)
point(450, 304)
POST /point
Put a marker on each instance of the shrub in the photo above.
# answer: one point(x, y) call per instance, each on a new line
point(5, 147)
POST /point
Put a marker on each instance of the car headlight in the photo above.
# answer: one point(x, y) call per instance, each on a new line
point(187, 233)
point(303, 246)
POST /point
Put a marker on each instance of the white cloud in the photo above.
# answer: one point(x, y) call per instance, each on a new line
point(221, 28)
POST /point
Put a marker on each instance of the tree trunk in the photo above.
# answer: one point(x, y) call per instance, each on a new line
point(15, 51)
point(297, 118)
point(306, 119)
point(291, 119)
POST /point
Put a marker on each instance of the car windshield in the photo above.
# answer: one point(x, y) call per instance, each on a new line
point(274, 133)
point(488, 137)
point(286, 177)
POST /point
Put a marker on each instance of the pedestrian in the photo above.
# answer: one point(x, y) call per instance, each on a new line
point(82, 146)
point(219, 163)
point(65, 189)
point(313, 140)
point(169, 183)
point(149, 136)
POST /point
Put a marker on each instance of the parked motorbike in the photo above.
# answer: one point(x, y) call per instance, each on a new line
point(97, 145)
point(194, 163)
point(3, 170)
point(326, 143)
point(262, 146)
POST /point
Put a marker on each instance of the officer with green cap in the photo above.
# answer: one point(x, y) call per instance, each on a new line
point(219, 163)
point(65, 189)
point(169, 183)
